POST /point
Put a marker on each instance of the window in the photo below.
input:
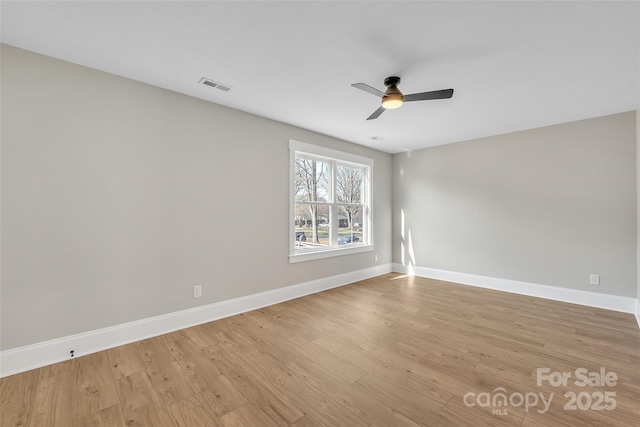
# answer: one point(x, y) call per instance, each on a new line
point(330, 211)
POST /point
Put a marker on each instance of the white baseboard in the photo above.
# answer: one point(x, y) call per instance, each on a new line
point(574, 296)
point(33, 356)
point(638, 311)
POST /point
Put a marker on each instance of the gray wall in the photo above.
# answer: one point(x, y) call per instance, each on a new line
point(546, 206)
point(638, 201)
point(118, 197)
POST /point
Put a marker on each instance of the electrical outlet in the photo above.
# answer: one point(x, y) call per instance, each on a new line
point(594, 279)
point(197, 291)
point(375, 257)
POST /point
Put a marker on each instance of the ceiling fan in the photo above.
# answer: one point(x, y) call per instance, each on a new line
point(393, 98)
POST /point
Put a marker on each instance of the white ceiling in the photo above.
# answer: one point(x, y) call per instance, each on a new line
point(513, 65)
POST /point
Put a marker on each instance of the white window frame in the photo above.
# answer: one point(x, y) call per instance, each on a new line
point(297, 147)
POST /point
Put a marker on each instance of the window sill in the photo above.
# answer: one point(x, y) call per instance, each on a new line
point(328, 253)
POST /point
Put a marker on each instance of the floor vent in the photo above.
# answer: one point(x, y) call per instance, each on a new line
point(212, 83)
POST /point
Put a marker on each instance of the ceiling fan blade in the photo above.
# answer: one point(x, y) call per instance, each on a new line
point(424, 96)
point(376, 113)
point(368, 88)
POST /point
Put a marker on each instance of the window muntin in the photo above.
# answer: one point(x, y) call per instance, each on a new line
point(330, 203)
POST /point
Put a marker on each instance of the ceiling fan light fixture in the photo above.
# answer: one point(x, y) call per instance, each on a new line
point(392, 97)
point(392, 101)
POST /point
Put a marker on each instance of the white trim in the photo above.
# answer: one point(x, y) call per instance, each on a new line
point(319, 150)
point(319, 254)
point(637, 313)
point(29, 357)
point(574, 296)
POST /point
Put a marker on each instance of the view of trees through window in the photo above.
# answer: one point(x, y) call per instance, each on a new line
point(329, 202)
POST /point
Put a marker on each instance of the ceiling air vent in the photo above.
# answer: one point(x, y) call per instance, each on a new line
point(212, 83)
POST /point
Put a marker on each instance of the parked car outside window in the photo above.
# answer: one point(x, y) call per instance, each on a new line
point(347, 239)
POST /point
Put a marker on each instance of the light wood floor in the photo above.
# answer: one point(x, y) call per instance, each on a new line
point(389, 351)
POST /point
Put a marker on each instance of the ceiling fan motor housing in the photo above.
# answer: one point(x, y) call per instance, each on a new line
point(393, 80)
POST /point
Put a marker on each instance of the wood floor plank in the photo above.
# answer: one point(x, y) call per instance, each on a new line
point(223, 397)
point(306, 397)
point(108, 417)
point(196, 411)
point(274, 345)
point(420, 372)
point(392, 373)
point(391, 350)
point(450, 360)
point(247, 416)
point(337, 365)
point(55, 401)
point(96, 388)
point(261, 393)
point(137, 393)
point(403, 400)
point(168, 378)
point(319, 304)
point(320, 324)
point(58, 368)
point(366, 407)
point(17, 396)
point(291, 323)
point(125, 360)
point(152, 415)
point(201, 336)
point(366, 311)
point(307, 421)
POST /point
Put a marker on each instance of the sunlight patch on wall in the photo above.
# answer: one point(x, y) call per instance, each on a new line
point(407, 253)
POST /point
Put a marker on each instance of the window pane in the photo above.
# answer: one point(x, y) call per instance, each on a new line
point(350, 225)
point(348, 184)
point(312, 225)
point(312, 180)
